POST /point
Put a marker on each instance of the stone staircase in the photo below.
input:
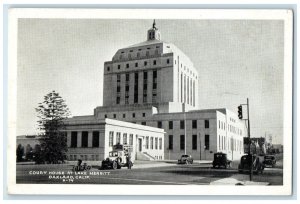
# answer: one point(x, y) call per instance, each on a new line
point(144, 156)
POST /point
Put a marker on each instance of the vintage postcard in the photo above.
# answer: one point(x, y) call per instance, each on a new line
point(150, 102)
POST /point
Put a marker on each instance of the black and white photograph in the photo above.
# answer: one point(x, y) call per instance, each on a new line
point(153, 100)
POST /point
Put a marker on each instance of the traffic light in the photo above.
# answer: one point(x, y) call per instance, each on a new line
point(240, 112)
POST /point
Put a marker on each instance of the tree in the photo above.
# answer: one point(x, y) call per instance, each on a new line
point(20, 153)
point(51, 113)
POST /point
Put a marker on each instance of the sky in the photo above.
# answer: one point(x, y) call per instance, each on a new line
point(235, 59)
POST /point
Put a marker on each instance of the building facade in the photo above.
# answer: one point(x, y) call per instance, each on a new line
point(92, 139)
point(154, 84)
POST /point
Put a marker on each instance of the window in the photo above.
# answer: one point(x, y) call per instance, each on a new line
point(118, 138)
point(168, 61)
point(154, 98)
point(144, 114)
point(206, 123)
point(131, 139)
point(194, 124)
point(84, 139)
point(160, 143)
point(136, 87)
point(127, 100)
point(194, 142)
point(156, 143)
point(143, 123)
point(182, 124)
point(206, 142)
point(170, 125)
point(115, 115)
point(124, 115)
point(147, 142)
point(111, 138)
point(118, 100)
point(127, 65)
point(119, 66)
point(105, 116)
point(154, 86)
point(133, 115)
point(108, 69)
point(182, 142)
point(95, 142)
point(125, 138)
point(154, 62)
point(151, 143)
point(159, 124)
point(73, 139)
point(145, 63)
point(171, 142)
point(136, 64)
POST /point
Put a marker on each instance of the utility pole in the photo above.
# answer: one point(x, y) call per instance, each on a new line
point(251, 173)
point(240, 115)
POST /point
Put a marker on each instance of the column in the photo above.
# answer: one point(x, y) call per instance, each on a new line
point(79, 134)
point(68, 139)
point(188, 90)
point(90, 139)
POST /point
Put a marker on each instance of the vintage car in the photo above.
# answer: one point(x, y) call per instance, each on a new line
point(185, 159)
point(252, 161)
point(220, 160)
point(269, 160)
point(116, 160)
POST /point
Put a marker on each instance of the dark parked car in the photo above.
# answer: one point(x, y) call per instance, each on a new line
point(269, 160)
point(251, 160)
point(220, 160)
point(185, 159)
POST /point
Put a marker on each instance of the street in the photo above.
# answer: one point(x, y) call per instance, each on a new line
point(172, 174)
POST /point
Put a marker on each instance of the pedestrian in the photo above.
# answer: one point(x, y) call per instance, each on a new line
point(128, 161)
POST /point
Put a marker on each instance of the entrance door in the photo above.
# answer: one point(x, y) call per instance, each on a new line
point(140, 144)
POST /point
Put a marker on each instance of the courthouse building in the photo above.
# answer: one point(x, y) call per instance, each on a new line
point(152, 87)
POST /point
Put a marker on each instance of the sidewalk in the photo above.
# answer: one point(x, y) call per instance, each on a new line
point(235, 182)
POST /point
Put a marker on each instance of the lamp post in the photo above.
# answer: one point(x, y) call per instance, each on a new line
point(240, 114)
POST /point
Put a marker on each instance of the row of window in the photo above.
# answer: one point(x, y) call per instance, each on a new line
point(84, 139)
point(117, 140)
point(186, 69)
point(157, 143)
point(231, 128)
point(136, 64)
point(187, 90)
point(124, 115)
point(136, 87)
point(233, 144)
point(182, 124)
point(194, 142)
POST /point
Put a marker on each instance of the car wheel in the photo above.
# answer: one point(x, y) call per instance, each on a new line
point(114, 165)
point(192, 162)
